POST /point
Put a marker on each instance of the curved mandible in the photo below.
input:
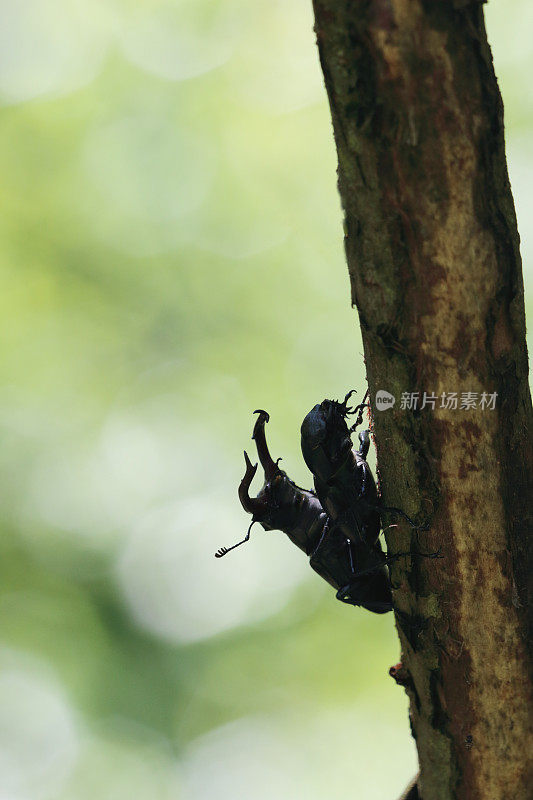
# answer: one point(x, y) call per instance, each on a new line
point(267, 462)
point(250, 504)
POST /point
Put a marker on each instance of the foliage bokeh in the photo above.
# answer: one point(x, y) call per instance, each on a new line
point(171, 256)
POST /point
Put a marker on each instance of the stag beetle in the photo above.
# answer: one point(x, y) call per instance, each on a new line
point(338, 524)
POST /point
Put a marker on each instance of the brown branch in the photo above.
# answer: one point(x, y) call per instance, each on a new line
point(433, 256)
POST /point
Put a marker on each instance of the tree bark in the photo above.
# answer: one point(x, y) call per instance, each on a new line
point(434, 263)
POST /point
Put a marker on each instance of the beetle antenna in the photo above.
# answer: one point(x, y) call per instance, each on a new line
point(224, 550)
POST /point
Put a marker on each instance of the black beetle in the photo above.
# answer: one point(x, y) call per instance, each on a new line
point(343, 480)
point(338, 524)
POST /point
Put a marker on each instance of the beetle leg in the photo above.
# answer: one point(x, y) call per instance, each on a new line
point(391, 559)
point(369, 588)
point(365, 470)
point(417, 553)
point(348, 543)
point(394, 510)
point(327, 524)
point(364, 444)
point(325, 557)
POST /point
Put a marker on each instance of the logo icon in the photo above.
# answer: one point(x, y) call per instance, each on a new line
point(384, 400)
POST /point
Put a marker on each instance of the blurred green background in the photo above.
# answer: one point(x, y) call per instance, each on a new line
point(171, 256)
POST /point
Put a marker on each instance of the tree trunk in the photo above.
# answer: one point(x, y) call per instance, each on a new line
point(433, 256)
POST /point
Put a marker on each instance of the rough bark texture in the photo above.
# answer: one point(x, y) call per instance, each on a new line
point(433, 255)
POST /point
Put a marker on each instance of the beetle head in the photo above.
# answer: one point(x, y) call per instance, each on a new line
point(267, 507)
